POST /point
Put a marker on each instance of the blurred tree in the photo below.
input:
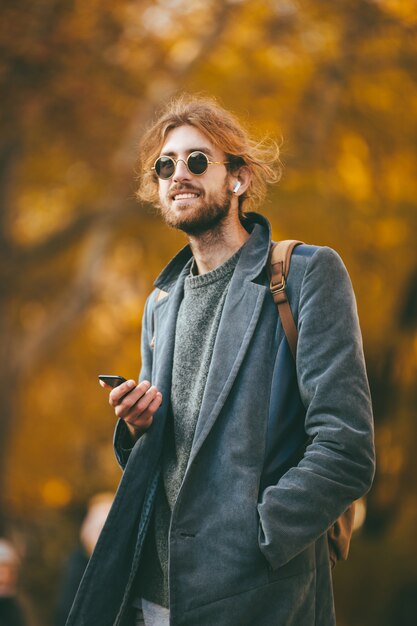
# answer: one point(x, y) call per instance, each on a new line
point(71, 70)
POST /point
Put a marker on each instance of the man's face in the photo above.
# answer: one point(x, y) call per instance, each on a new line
point(194, 204)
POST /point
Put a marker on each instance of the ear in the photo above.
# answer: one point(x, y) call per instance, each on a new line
point(241, 180)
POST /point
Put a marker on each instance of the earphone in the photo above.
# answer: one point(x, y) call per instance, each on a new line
point(237, 186)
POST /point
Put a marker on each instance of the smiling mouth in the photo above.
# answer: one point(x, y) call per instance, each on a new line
point(186, 196)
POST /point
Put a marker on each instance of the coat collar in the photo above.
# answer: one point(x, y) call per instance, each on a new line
point(240, 315)
point(251, 261)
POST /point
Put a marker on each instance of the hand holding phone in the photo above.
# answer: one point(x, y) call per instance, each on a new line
point(135, 404)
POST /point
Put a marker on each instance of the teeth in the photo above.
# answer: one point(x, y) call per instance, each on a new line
point(185, 196)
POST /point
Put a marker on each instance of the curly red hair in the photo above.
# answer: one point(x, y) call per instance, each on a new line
point(225, 131)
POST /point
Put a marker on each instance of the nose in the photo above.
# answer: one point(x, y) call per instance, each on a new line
point(181, 171)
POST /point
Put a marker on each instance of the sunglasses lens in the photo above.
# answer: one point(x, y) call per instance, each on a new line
point(165, 167)
point(197, 163)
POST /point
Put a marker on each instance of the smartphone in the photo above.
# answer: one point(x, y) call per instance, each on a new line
point(113, 381)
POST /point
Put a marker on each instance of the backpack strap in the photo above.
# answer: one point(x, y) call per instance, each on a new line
point(278, 270)
point(340, 533)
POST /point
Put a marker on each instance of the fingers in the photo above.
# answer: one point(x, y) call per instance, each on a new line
point(141, 418)
point(136, 404)
point(121, 390)
point(152, 408)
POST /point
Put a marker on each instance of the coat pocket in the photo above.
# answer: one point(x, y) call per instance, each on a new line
point(303, 562)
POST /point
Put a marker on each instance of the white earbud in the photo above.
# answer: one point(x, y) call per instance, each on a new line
point(237, 186)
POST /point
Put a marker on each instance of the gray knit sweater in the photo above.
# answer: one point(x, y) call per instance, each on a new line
point(197, 323)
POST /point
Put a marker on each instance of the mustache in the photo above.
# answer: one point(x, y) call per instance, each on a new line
point(183, 188)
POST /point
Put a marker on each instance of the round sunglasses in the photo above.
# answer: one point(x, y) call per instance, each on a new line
point(197, 163)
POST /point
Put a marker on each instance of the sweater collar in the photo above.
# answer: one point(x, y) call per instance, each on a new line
point(253, 257)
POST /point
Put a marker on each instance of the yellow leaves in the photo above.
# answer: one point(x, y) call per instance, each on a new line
point(390, 232)
point(406, 365)
point(40, 211)
point(377, 96)
point(56, 492)
point(157, 20)
point(32, 315)
point(400, 177)
point(381, 233)
point(366, 178)
point(184, 51)
point(47, 202)
point(354, 176)
point(406, 10)
point(352, 167)
point(391, 459)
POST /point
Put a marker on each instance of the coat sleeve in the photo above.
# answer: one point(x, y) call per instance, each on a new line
point(338, 464)
point(122, 441)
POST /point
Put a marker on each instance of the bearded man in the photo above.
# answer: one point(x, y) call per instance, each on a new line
point(202, 532)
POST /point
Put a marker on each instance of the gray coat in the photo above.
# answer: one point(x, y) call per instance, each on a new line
point(247, 538)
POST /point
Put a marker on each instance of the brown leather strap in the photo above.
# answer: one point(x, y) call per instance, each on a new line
point(340, 533)
point(278, 268)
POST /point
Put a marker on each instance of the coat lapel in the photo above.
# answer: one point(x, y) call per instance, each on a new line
point(240, 315)
point(165, 320)
point(239, 319)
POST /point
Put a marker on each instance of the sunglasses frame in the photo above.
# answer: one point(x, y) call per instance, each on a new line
point(176, 161)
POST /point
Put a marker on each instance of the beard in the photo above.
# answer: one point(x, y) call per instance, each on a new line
point(207, 217)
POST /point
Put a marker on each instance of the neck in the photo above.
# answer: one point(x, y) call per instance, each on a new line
point(214, 247)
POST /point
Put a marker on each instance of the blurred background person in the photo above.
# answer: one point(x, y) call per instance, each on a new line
point(11, 612)
point(97, 511)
